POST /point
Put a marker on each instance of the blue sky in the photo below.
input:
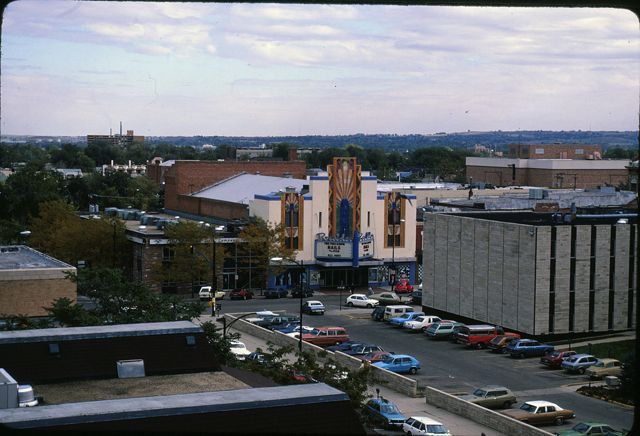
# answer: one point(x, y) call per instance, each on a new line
point(76, 67)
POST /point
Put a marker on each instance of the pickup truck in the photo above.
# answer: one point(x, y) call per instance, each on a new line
point(205, 294)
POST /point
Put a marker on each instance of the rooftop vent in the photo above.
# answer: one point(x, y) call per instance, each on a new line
point(131, 368)
point(26, 398)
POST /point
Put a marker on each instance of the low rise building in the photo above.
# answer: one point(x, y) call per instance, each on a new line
point(554, 151)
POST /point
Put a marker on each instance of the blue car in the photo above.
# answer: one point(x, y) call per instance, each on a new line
point(380, 410)
point(399, 363)
point(409, 316)
point(527, 348)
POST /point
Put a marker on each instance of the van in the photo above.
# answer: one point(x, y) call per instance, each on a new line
point(479, 335)
point(395, 311)
point(444, 329)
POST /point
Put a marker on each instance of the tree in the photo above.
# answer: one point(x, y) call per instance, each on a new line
point(221, 345)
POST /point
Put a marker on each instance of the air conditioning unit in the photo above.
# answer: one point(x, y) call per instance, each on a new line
point(131, 368)
point(536, 194)
point(26, 397)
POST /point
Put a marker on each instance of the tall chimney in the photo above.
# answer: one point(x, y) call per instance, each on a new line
point(120, 128)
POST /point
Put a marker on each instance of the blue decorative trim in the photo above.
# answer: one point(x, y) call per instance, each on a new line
point(267, 197)
point(319, 178)
point(410, 196)
point(370, 178)
point(380, 197)
point(307, 197)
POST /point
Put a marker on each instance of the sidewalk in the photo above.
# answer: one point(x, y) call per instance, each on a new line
point(409, 406)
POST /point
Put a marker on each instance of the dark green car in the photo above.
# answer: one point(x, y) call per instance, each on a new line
point(591, 429)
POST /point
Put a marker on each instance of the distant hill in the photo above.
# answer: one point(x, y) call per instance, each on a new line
point(496, 140)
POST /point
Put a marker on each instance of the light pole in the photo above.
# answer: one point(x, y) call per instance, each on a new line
point(301, 265)
point(214, 276)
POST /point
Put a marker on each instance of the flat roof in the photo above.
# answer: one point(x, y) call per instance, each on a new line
point(157, 406)
point(106, 331)
point(549, 218)
point(16, 257)
point(243, 188)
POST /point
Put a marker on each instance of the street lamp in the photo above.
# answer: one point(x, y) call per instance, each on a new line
point(301, 265)
point(214, 276)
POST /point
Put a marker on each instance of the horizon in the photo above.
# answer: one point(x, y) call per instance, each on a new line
point(269, 69)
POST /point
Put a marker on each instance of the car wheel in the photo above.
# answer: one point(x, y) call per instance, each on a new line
point(245, 297)
point(559, 420)
point(408, 433)
point(581, 370)
point(350, 304)
point(369, 306)
point(506, 404)
point(413, 370)
point(503, 351)
point(479, 345)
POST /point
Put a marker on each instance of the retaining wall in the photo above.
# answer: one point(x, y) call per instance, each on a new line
point(481, 415)
point(397, 382)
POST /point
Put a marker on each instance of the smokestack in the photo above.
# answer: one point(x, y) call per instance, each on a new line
point(120, 128)
point(110, 131)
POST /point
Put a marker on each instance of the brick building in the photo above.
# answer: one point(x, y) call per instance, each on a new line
point(536, 273)
point(184, 178)
point(30, 281)
point(554, 151)
point(550, 173)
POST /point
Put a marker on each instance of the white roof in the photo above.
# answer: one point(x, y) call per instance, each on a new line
point(426, 420)
point(242, 188)
point(542, 404)
point(314, 302)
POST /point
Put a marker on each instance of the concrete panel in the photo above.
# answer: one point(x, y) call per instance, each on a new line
point(494, 281)
point(429, 251)
point(601, 285)
point(481, 269)
point(453, 265)
point(467, 267)
point(583, 265)
point(526, 278)
point(621, 278)
point(563, 254)
point(510, 274)
point(441, 249)
point(543, 252)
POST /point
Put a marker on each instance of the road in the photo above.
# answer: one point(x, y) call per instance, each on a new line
point(453, 368)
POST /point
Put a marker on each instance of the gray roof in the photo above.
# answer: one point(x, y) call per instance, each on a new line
point(106, 331)
point(162, 406)
point(242, 188)
point(16, 257)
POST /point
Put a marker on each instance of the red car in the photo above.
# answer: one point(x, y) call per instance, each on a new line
point(240, 294)
point(403, 287)
point(375, 356)
point(555, 358)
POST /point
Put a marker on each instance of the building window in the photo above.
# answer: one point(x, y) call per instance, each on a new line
point(539, 150)
point(368, 218)
point(572, 310)
point(592, 304)
point(579, 151)
point(552, 309)
point(394, 220)
point(319, 219)
point(168, 253)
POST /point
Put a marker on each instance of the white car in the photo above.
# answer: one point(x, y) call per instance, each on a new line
point(421, 425)
point(239, 349)
point(421, 323)
point(361, 300)
point(205, 294)
point(260, 316)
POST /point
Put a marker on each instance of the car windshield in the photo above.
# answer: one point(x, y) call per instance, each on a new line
point(389, 408)
point(497, 339)
point(528, 407)
point(436, 429)
point(479, 393)
point(581, 427)
point(237, 345)
point(387, 359)
point(599, 364)
point(420, 319)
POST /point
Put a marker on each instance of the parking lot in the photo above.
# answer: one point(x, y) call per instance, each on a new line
point(452, 367)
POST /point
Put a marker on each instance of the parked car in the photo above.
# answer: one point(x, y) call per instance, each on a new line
point(554, 359)
point(344, 346)
point(499, 343)
point(479, 335)
point(382, 411)
point(540, 412)
point(275, 293)
point(360, 300)
point(239, 349)
point(305, 292)
point(361, 350)
point(442, 329)
point(205, 294)
point(378, 313)
point(259, 358)
point(375, 356)
point(313, 307)
point(424, 426)
point(421, 323)
point(398, 321)
point(386, 298)
point(396, 310)
point(416, 297)
point(491, 397)
point(327, 336)
point(400, 363)
point(293, 327)
point(300, 377)
point(528, 348)
point(578, 363)
point(403, 287)
point(270, 322)
point(603, 368)
point(591, 429)
point(261, 314)
point(240, 294)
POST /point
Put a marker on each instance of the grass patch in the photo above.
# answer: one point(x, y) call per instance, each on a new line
point(620, 350)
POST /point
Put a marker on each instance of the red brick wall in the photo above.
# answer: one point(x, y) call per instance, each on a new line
point(186, 177)
point(552, 151)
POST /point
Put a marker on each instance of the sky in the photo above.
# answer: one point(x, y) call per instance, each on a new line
point(242, 69)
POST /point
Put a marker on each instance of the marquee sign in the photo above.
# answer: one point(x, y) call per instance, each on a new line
point(342, 249)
